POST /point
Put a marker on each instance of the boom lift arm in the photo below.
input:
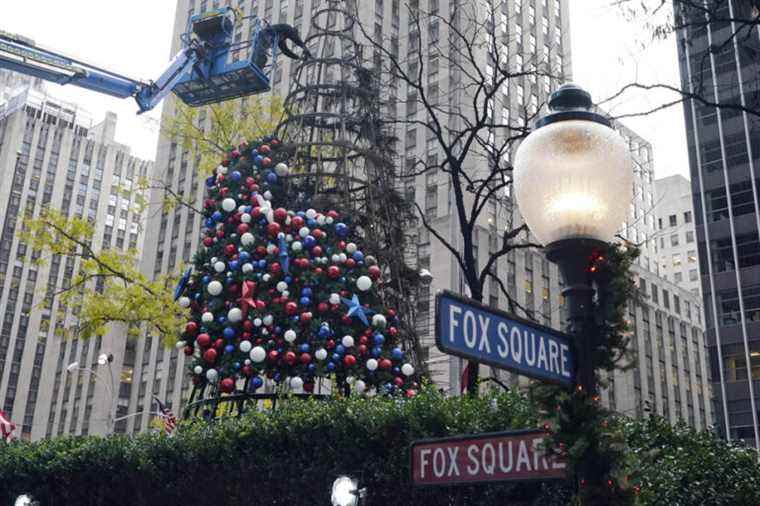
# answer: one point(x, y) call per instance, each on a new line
point(200, 73)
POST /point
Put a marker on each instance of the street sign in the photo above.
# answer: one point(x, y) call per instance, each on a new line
point(476, 332)
point(501, 456)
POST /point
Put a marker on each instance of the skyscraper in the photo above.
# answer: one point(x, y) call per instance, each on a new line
point(51, 156)
point(668, 329)
point(718, 62)
point(676, 238)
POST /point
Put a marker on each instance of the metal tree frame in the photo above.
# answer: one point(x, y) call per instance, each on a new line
point(343, 158)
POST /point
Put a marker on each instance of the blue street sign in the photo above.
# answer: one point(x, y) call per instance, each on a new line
point(473, 331)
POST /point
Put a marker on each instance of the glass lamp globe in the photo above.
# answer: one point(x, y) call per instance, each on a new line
point(573, 175)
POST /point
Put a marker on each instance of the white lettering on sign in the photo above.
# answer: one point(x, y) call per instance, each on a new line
point(503, 347)
point(484, 321)
point(439, 462)
point(564, 353)
point(454, 311)
point(424, 453)
point(470, 328)
point(453, 466)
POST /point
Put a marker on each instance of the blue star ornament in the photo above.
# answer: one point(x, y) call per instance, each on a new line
point(182, 284)
point(355, 308)
point(284, 257)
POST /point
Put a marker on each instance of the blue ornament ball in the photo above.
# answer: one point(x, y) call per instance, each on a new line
point(377, 351)
point(341, 229)
point(256, 382)
point(217, 216)
point(304, 348)
point(330, 366)
point(379, 339)
point(397, 354)
point(229, 348)
point(340, 349)
point(235, 176)
point(271, 177)
point(358, 256)
point(305, 301)
point(229, 332)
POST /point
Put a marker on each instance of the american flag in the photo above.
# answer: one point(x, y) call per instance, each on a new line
point(6, 427)
point(170, 421)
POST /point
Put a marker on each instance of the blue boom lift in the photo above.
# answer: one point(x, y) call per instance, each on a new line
point(201, 73)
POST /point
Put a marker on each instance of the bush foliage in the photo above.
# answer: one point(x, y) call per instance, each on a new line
point(292, 455)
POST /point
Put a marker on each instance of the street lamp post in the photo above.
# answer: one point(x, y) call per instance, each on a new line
point(103, 359)
point(573, 185)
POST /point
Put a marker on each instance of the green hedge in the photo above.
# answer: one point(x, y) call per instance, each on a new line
point(288, 457)
point(292, 456)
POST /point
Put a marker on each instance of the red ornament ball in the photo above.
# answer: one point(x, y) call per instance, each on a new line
point(333, 272)
point(410, 393)
point(290, 358)
point(374, 271)
point(349, 360)
point(273, 229)
point(191, 328)
point(210, 355)
point(322, 307)
point(227, 385)
point(230, 249)
point(203, 340)
point(280, 214)
point(265, 149)
point(385, 364)
point(189, 350)
point(291, 308)
point(273, 355)
point(305, 358)
point(243, 228)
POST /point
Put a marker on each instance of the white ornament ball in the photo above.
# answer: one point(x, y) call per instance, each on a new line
point(247, 268)
point(311, 214)
point(282, 286)
point(334, 298)
point(303, 232)
point(350, 380)
point(268, 195)
point(245, 346)
point(247, 239)
point(207, 317)
point(360, 386)
point(215, 287)
point(379, 321)
point(372, 364)
point(235, 315)
point(329, 220)
point(266, 278)
point(268, 320)
point(184, 301)
point(180, 345)
point(198, 369)
point(229, 204)
point(363, 283)
point(407, 369)
point(245, 218)
point(270, 248)
point(296, 383)
point(221, 169)
point(342, 258)
point(257, 322)
point(219, 267)
point(321, 219)
point(281, 169)
point(297, 246)
point(211, 375)
point(335, 259)
point(347, 341)
point(258, 354)
point(350, 247)
point(321, 354)
point(290, 335)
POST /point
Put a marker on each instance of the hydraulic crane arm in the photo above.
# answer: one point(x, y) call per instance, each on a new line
point(21, 55)
point(203, 72)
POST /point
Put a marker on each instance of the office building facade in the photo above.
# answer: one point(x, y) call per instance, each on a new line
point(52, 157)
point(724, 157)
point(676, 237)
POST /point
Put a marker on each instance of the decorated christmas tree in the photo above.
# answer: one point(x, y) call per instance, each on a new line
point(284, 294)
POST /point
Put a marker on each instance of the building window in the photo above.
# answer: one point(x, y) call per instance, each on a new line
point(678, 277)
point(687, 217)
point(689, 237)
point(674, 240)
point(673, 220)
point(691, 256)
point(735, 366)
point(693, 274)
point(676, 259)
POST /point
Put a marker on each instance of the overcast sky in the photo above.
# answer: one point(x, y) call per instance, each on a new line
point(133, 38)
